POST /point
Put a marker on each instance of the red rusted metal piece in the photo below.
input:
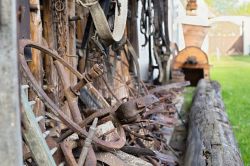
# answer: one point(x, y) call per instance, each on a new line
point(70, 96)
point(95, 71)
point(67, 147)
point(129, 111)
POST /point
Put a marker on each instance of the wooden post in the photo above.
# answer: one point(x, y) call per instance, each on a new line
point(132, 31)
point(65, 36)
point(132, 26)
point(10, 131)
point(80, 28)
point(36, 65)
point(36, 35)
point(210, 140)
point(72, 59)
point(50, 70)
point(66, 46)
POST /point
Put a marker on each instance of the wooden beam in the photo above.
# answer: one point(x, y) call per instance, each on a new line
point(72, 59)
point(51, 77)
point(10, 131)
point(36, 65)
point(132, 26)
point(210, 140)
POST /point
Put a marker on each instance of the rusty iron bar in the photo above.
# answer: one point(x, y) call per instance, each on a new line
point(96, 95)
point(87, 143)
point(144, 137)
point(23, 43)
point(91, 158)
point(35, 7)
point(138, 151)
point(67, 147)
point(72, 99)
point(89, 119)
point(110, 90)
point(95, 72)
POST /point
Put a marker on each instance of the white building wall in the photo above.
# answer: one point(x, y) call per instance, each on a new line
point(246, 36)
point(178, 16)
point(143, 51)
point(177, 12)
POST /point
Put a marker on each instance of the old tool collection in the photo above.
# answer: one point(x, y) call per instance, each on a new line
point(83, 100)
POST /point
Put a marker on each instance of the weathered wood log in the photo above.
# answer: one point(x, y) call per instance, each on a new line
point(210, 140)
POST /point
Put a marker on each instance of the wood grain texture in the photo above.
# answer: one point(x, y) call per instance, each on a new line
point(33, 135)
point(210, 140)
point(10, 132)
point(36, 64)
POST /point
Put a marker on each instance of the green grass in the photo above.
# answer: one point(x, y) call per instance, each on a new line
point(233, 73)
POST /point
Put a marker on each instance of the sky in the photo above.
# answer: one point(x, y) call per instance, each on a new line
point(242, 1)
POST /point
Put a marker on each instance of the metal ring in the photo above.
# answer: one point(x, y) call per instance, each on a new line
point(59, 6)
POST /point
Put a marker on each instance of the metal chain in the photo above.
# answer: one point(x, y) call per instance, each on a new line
point(60, 13)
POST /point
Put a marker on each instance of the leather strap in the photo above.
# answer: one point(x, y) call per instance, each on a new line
point(101, 23)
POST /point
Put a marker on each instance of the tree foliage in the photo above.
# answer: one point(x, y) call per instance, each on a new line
point(243, 9)
point(229, 7)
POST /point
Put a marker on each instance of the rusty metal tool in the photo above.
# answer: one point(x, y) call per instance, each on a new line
point(87, 143)
point(93, 73)
point(67, 147)
point(70, 96)
point(129, 111)
point(66, 120)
